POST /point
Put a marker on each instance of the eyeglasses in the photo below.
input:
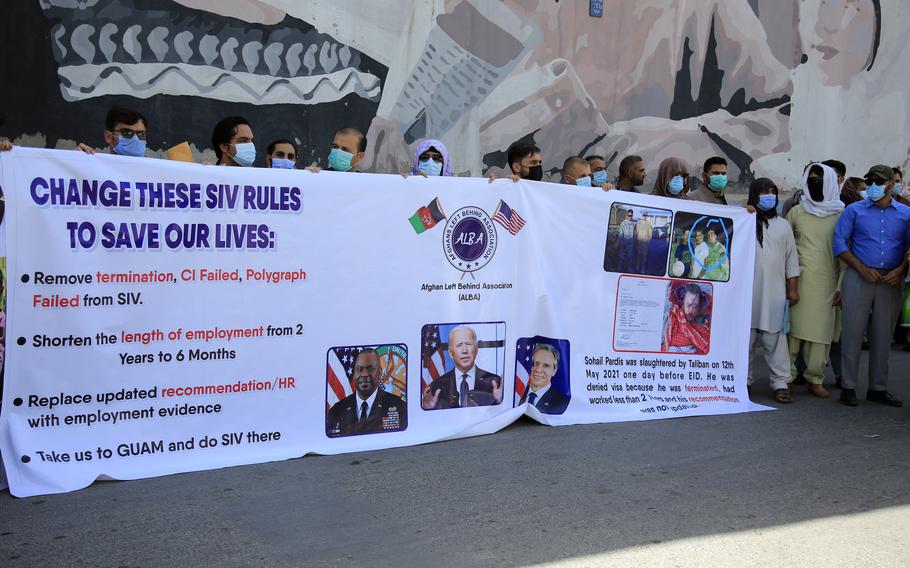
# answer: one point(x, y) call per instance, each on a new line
point(129, 132)
point(425, 156)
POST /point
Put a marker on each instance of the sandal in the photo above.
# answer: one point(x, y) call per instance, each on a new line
point(782, 396)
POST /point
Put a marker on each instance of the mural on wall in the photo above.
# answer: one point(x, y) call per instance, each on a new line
point(769, 84)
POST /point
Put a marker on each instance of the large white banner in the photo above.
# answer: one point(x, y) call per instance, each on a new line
point(169, 317)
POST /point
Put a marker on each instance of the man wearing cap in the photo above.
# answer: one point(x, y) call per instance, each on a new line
point(872, 237)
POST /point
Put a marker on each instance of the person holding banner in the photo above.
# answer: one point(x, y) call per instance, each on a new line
point(466, 384)
point(872, 237)
point(714, 181)
point(775, 283)
point(370, 409)
point(431, 158)
point(523, 160)
point(281, 154)
point(576, 171)
point(812, 320)
point(631, 173)
point(232, 140)
point(672, 179)
point(124, 133)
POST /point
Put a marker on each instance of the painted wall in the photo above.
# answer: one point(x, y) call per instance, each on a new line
point(770, 84)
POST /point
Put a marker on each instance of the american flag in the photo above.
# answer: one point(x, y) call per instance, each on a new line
point(522, 366)
point(339, 370)
point(435, 355)
point(508, 217)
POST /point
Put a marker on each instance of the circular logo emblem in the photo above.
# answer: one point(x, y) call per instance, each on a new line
point(469, 239)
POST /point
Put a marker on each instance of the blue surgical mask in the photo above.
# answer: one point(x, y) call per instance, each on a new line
point(676, 185)
point(718, 183)
point(583, 181)
point(429, 167)
point(131, 146)
point(600, 177)
point(246, 154)
point(767, 201)
point(283, 163)
point(898, 187)
point(864, 194)
point(875, 192)
point(339, 160)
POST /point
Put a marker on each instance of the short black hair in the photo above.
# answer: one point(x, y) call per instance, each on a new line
point(274, 143)
point(713, 161)
point(123, 115)
point(518, 151)
point(625, 166)
point(361, 139)
point(898, 171)
point(837, 166)
point(594, 157)
point(571, 161)
point(224, 131)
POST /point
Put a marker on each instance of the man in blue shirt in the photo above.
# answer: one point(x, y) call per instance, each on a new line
point(872, 237)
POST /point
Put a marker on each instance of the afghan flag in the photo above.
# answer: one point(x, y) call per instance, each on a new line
point(427, 217)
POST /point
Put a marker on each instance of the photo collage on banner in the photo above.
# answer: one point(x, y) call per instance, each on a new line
point(664, 298)
point(462, 365)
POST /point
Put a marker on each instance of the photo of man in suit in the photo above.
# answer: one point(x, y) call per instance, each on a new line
point(541, 393)
point(466, 384)
point(370, 409)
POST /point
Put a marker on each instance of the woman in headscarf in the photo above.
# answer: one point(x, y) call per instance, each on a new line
point(812, 319)
point(775, 283)
point(431, 159)
point(672, 179)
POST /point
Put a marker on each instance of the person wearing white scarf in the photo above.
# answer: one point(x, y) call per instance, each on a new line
point(812, 319)
point(831, 203)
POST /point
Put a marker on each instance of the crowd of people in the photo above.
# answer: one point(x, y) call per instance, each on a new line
point(830, 261)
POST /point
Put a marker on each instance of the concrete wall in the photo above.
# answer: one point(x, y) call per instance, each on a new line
point(770, 84)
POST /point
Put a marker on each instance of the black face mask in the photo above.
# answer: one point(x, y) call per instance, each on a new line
point(535, 173)
point(816, 187)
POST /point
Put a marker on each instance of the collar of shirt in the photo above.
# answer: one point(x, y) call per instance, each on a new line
point(540, 393)
point(472, 374)
point(370, 402)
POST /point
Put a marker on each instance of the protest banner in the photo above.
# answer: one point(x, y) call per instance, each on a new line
point(168, 317)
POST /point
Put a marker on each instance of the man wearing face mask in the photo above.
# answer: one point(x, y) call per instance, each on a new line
point(714, 181)
point(232, 140)
point(281, 154)
point(599, 172)
point(872, 237)
point(370, 409)
point(348, 148)
point(524, 162)
point(124, 133)
point(775, 284)
point(812, 319)
point(576, 171)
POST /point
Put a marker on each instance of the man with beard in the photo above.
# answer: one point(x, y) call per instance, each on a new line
point(466, 384)
point(714, 181)
point(541, 393)
point(370, 409)
point(686, 330)
point(631, 173)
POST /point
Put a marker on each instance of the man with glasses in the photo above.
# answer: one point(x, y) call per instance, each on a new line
point(370, 409)
point(872, 237)
point(124, 133)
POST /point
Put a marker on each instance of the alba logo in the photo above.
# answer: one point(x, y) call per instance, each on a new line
point(469, 239)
